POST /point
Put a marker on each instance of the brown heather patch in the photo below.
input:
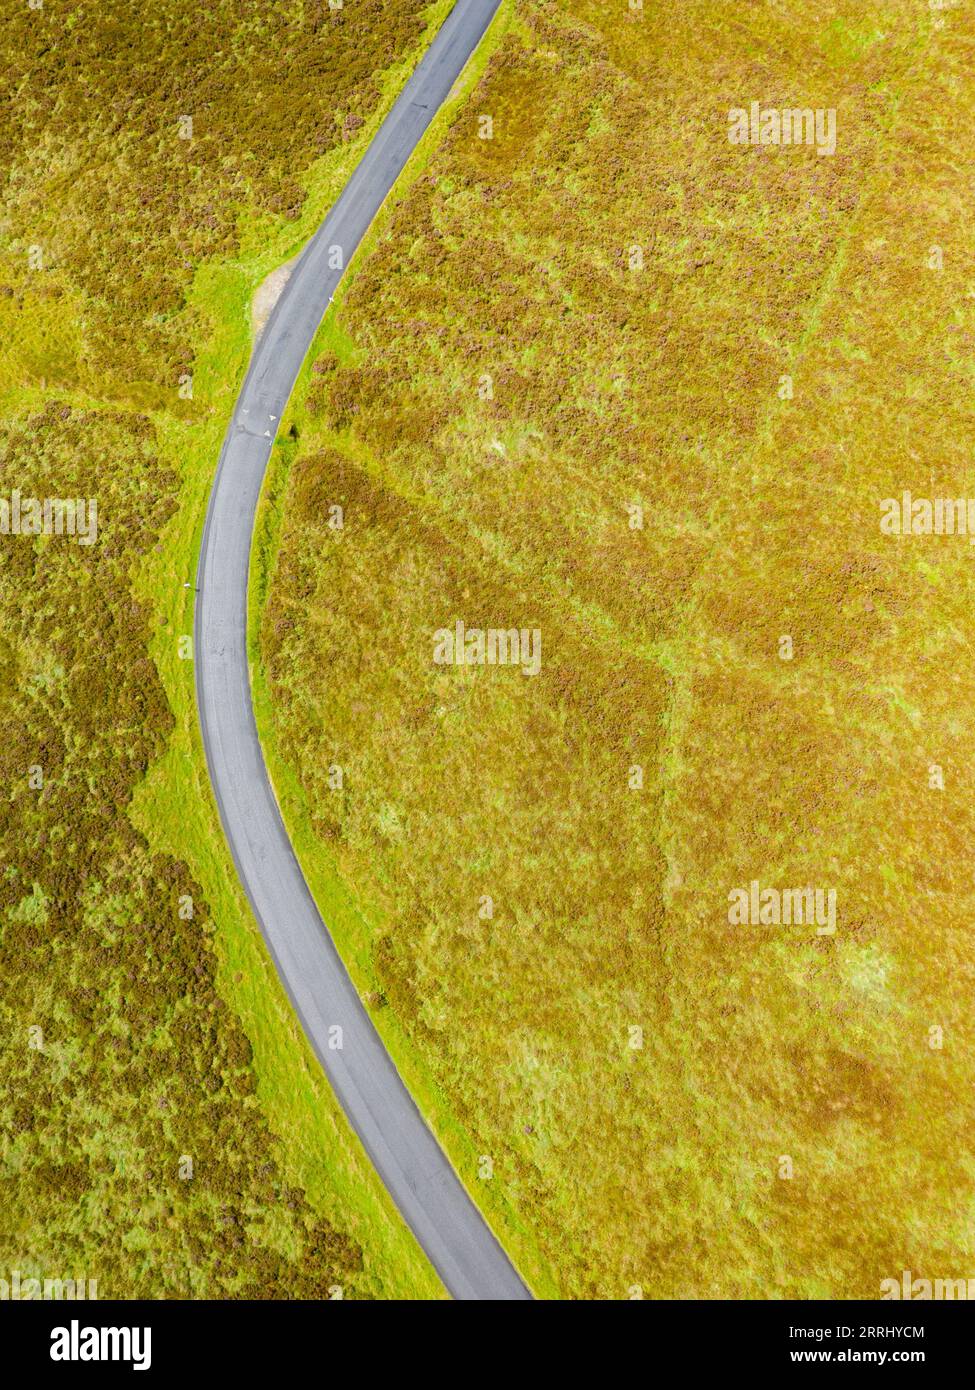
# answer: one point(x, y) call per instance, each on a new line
point(142, 1061)
point(124, 208)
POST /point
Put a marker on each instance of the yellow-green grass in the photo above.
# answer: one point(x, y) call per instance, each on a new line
point(655, 1167)
point(49, 350)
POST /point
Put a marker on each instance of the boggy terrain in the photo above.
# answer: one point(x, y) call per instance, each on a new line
point(614, 376)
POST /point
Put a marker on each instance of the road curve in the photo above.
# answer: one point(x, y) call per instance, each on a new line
point(405, 1153)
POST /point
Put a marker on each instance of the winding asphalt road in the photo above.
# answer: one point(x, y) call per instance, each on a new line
point(405, 1153)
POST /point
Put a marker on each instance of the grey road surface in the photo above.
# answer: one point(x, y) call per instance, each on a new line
point(405, 1153)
